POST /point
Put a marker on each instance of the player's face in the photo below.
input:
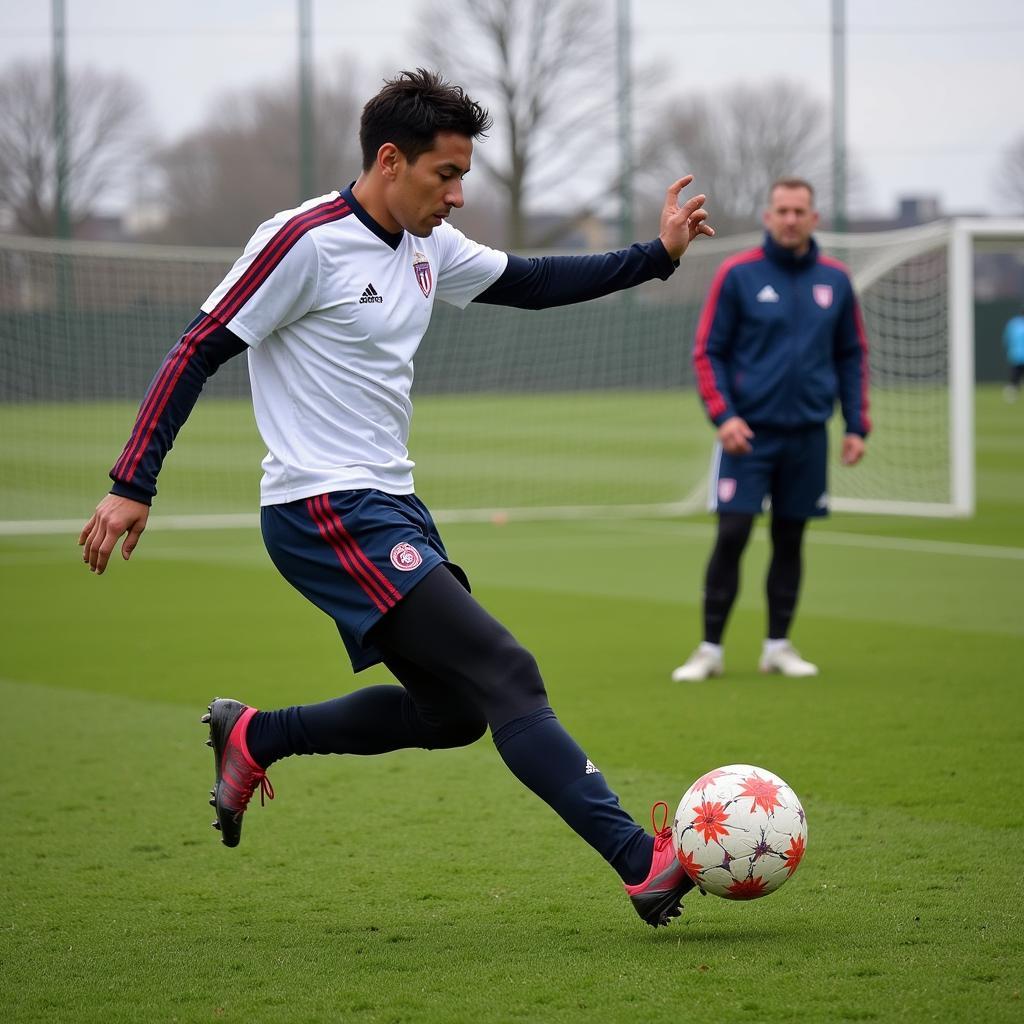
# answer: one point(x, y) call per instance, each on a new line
point(427, 190)
point(791, 218)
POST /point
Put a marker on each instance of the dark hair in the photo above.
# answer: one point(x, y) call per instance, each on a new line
point(791, 183)
point(411, 109)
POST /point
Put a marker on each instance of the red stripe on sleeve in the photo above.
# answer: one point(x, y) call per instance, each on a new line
point(273, 252)
point(157, 397)
point(706, 385)
point(862, 338)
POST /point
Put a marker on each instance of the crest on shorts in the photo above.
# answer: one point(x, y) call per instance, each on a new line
point(726, 489)
point(822, 295)
point(424, 276)
point(405, 557)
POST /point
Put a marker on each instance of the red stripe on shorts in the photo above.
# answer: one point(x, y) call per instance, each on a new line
point(353, 559)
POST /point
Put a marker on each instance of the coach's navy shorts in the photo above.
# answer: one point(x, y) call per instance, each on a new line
point(789, 466)
point(355, 555)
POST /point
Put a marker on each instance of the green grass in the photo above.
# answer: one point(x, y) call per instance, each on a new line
point(430, 888)
point(472, 451)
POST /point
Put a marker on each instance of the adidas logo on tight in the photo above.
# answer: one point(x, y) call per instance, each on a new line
point(592, 768)
point(370, 295)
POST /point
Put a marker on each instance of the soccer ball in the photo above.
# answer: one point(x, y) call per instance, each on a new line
point(739, 832)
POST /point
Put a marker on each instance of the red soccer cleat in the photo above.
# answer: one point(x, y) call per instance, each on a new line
point(657, 898)
point(237, 774)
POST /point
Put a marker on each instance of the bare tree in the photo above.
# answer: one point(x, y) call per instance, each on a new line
point(106, 142)
point(221, 181)
point(546, 72)
point(1010, 175)
point(737, 142)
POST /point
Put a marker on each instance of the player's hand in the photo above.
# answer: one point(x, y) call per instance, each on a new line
point(680, 225)
point(734, 435)
point(114, 517)
point(853, 450)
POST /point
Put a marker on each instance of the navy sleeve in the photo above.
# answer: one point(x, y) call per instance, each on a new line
point(542, 282)
point(851, 358)
point(204, 347)
point(712, 349)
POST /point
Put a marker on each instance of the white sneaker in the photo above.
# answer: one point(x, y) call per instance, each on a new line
point(786, 660)
point(702, 664)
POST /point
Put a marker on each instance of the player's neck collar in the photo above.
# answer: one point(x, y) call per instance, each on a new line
point(788, 258)
point(388, 237)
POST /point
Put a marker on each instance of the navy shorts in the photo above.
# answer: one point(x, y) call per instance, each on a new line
point(355, 555)
point(788, 466)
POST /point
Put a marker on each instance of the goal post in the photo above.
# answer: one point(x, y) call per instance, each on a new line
point(586, 410)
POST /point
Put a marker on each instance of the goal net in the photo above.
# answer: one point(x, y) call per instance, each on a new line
point(587, 409)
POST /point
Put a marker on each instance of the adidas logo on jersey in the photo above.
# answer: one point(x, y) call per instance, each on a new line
point(370, 295)
point(592, 768)
point(767, 294)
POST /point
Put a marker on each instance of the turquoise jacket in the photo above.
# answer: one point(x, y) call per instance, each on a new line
point(1013, 340)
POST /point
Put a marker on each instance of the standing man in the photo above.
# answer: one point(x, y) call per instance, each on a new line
point(779, 339)
point(1013, 342)
point(330, 302)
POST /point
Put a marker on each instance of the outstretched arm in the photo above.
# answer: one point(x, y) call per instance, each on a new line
point(543, 282)
point(198, 354)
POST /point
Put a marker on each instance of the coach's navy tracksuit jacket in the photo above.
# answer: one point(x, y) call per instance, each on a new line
point(780, 338)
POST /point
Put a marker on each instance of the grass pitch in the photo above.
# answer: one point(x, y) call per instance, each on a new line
point(430, 887)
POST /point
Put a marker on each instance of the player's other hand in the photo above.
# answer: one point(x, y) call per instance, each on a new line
point(853, 450)
point(734, 436)
point(680, 225)
point(114, 517)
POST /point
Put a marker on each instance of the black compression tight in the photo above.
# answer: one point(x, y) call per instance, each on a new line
point(783, 583)
point(722, 579)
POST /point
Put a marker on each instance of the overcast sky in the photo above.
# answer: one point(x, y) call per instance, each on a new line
point(935, 88)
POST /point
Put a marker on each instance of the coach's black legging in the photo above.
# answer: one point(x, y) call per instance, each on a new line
point(722, 578)
point(782, 585)
point(461, 671)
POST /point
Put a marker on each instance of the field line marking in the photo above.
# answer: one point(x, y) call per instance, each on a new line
point(593, 514)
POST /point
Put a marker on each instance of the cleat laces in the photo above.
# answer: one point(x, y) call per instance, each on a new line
point(244, 792)
point(662, 833)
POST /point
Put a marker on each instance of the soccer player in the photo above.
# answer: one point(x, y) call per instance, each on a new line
point(779, 339)
point(330, 302)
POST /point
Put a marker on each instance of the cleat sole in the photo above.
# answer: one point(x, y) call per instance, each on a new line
point(221, 720)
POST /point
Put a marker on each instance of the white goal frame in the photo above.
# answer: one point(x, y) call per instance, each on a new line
point(959, 235)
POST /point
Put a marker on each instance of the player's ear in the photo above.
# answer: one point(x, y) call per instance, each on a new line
point(388, 159)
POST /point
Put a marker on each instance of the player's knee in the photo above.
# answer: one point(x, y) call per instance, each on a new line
point(521, 672)
point(787, 535)
point(509, 682)
point(733, 533)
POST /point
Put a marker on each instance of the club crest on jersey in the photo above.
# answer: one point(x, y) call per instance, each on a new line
point(424, 277)
point(405, 557)
point(726, 489)
point(822, 295)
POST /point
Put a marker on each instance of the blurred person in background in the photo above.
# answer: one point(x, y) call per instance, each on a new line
point(779, 339)
point(1013, 342)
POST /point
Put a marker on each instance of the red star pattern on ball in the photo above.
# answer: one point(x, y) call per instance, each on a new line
point(705, 780)
point(747, 889)
point(794, 854)
point(710, 820)
point(689, 865)
point(764, 792)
